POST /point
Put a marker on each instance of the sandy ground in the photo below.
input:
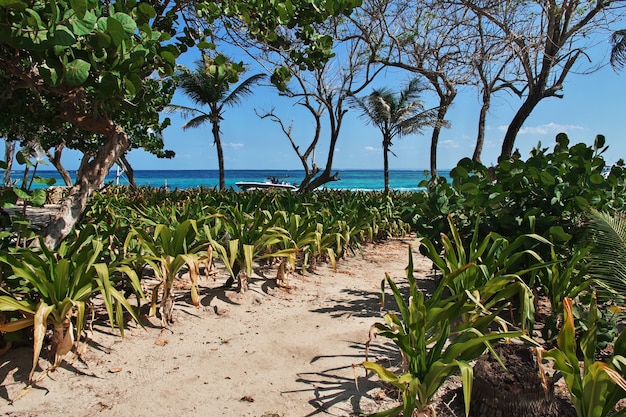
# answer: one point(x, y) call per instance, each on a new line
point(268, 352)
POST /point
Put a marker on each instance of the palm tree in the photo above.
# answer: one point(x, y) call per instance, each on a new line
point(209, 85)
point(396, 114)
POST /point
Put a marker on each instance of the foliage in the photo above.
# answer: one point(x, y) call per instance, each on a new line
point(50, 288)
point(608, 253)
point(491, 269)
point(548, 194)
point(595, 387)
point(168, 249)
point(433, 341)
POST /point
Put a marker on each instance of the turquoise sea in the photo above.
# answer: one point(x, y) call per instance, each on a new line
point(400, 180)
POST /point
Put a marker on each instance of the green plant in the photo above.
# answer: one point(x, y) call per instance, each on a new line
point(608, 253)
point(595, 387)
point(51, 288)
point(433, 342)
point(169, 249)
point(489, 269)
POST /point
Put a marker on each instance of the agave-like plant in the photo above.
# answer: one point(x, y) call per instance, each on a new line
point(489, 269)
point(56, 287)
point(167, 249)
point(434, 344)
point(596, 386)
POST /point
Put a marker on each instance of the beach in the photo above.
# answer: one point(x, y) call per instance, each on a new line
point(279, 352)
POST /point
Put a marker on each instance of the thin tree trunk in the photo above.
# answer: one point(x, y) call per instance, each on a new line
point(9, 155)
point(386, 165)
point(220, 155)
point(56, 162)
point(480, 137)
point(128, 169)
point(434, 142)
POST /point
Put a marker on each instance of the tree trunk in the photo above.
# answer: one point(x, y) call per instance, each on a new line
point(480, 137)
point(519, 391)
point(9, 155)
point(326, 176)
point(516, 124)
point(128, 169)
point(220, 154)
point(56, 162)
point(386, 165)
point(434, 142)
point(90, 176)
point(444, 100)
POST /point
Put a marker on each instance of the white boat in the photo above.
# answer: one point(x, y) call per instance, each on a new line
point(270, 183)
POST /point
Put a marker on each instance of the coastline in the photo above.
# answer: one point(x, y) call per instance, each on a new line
point(362, 180)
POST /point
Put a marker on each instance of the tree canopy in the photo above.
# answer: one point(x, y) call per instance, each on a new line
point(92, 64)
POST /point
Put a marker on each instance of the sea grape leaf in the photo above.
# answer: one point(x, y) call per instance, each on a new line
point(79, 7)
point(77, 72)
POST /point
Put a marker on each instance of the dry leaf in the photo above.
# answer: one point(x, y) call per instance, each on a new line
point(115, 370)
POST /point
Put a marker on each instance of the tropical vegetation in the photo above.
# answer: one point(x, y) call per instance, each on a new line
point(493, 253)
point(95, 76)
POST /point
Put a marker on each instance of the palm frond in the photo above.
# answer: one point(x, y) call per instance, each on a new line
point(618, 51)
point(243, 90)
point(197, 121)
point(184, 111)
point(608, 256)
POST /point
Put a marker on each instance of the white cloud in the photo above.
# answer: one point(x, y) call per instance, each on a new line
point(545, 129)
point(235, 145)
point(370, 149)
point(449, 144)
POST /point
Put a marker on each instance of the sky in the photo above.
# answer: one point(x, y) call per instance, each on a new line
point(592, 104)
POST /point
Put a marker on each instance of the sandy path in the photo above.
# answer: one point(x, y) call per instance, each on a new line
point(268, 352)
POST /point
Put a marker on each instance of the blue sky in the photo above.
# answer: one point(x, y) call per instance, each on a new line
point(592, 104)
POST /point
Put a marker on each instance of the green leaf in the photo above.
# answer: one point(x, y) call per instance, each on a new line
point(63, 36)
point(79, 7)
point(85, 25)
point(557, 233)
point(596, 179)
point(146, 9)
point(77, 72)
point(38, 198)
point(127, 23)
point(115, 30)
point(13, 4)
point(44, 181)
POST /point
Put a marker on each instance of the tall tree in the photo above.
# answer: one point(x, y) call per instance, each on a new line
point(428, 39)
point(547, 38)
point(491, 65)
point(323, 91)
point(396, 115)
point(210, 87)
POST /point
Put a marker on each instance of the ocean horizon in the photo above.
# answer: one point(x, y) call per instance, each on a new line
point(349, 179)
